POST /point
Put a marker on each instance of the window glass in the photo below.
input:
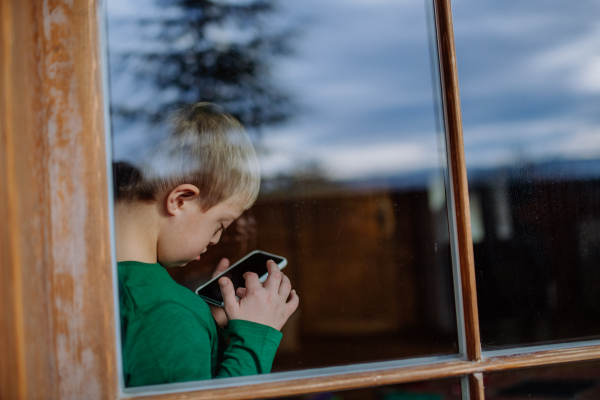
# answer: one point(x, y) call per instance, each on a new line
point(443, 389)
point(341, 102)
point(579, 381)
point(530, 95)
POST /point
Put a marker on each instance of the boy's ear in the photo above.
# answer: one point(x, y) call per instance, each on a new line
point(180, 197)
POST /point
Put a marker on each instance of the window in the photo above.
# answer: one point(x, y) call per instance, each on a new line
point(348, 128)
point(57, 311)
point(532, 153)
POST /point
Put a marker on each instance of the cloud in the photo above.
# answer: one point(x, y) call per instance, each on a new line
point(510, 143)
point(574, 64)
point(521, 48)
point(342, 162)
point(377, 159)
point(529, 83)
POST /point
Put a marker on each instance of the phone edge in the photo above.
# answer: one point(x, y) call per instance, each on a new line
point(221, 274)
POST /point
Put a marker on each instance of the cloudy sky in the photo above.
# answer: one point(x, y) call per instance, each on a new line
point(529, 77)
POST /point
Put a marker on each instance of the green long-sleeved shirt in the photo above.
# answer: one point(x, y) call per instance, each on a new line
point(169, 334)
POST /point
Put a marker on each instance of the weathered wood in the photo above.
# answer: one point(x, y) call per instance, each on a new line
point(391, 376)
point(451, 100)
point(12, 346)
point(325, 384)
point(476, 386)
point(56, 315)
point(27, 335)
point(538, 358)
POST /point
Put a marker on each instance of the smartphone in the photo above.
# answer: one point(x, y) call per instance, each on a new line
point(254, 262)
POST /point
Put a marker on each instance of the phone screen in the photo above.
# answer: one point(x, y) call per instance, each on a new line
point(256, 263)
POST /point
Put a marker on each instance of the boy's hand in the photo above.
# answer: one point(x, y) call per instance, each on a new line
point(218, 312)
point(271, 304)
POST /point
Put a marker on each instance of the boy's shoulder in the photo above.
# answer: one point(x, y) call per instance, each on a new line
point(147, 288)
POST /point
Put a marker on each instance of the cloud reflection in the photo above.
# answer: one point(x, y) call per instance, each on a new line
point(529, 75)
point(530, 79)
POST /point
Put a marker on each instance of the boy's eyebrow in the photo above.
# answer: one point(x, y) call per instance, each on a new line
point(230, 218)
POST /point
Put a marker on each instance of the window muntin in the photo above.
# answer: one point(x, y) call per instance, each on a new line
point(530, 95)
point(365, 181)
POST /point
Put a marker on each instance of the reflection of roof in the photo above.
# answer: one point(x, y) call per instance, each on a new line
point(555, 171)
point(543, 172)
point(548, 171)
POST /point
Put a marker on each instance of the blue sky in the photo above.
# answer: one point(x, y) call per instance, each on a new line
point(529, 75)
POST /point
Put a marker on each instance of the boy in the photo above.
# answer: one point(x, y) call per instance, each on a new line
point(189, 188)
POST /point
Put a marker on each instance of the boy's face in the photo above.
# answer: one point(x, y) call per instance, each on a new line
point(186, 232)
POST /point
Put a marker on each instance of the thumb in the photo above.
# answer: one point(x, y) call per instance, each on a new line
point(228, 293)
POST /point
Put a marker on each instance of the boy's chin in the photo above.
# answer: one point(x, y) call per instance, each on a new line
point(189, 261)
point(176, 264)
point(183, 264)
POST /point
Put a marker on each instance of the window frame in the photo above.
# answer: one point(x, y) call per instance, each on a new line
point(57, 272)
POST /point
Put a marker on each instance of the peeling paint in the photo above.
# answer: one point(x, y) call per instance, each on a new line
point(78, 363)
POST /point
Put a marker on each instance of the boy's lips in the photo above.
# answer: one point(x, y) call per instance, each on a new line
point(197, 258)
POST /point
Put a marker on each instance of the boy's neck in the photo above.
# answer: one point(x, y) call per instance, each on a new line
point(136, 232)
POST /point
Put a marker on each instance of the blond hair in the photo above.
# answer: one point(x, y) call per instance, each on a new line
point(203, 146)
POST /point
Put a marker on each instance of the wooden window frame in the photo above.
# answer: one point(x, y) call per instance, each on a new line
point(57, 308)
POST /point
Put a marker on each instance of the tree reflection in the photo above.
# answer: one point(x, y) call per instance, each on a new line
point(212, 51)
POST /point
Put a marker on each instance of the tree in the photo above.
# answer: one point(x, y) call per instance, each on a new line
point(192, 60)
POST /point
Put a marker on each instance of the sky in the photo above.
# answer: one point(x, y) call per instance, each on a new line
point(529, 75)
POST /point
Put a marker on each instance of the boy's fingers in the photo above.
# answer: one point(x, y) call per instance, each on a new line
point(293, 302)
point(274, 279)
point(285, 287)
point(252, 281)
point(227, 292)
point(222, 266)
point(240, 292)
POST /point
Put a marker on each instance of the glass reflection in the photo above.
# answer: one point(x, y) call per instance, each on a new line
point(530, 94)
point(579, 381)
point(340, 99)
point(444, 389)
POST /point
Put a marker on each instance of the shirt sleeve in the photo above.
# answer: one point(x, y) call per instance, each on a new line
point(251, 349)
